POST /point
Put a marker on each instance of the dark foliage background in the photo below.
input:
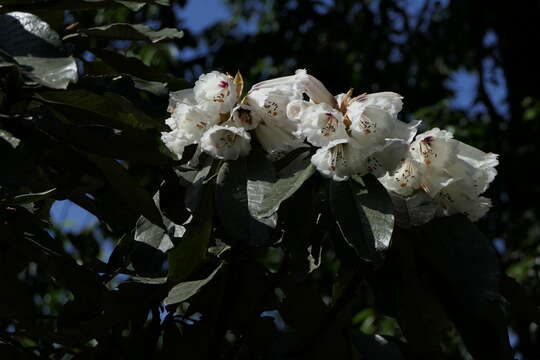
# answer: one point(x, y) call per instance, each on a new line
point(442, 292)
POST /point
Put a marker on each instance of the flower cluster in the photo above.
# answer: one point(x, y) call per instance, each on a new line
point(353, 135)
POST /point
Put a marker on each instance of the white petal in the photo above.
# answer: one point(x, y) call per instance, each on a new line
point(270, 105)
point(454, 201)
point(296, 109)
point(387, 101)
point(243, 116)
point(321, 124)
point(314, 88)
point(226, 142)
point(302, 83)
point(434, 148)
point(191, 120)
point(175, 141)
point(338, 160)
point(406, 179)
point(276, 141)
point(217, 88)
point(185, 96)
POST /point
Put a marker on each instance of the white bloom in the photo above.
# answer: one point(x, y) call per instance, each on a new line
point(321, 124)
point(269, 105)
point(175, 142)
point(243, 116)
point(276, 141)
point(338, 160)
point(188, 124)
point(226, 142)
point(374, 123)
point(301, 82)
point(185, 96)
point(454, 174)
point(275, 130)
point(454, 200)
point(216, 88)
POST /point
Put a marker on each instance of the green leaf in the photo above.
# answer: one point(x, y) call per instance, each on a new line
point(184, 290)
point(9, 138)
point(467, 268)
point(233, 201)
point(123, 31)
point(30, 198)
point(364, 214)
point(268, 194)
point(191, 250)
point(121, 64)
point(109, 109)
point(37, 49)
point(133, 195)
point(129, 144)
point(32, 5)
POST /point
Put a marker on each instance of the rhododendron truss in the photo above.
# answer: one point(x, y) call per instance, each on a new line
point(351, 135)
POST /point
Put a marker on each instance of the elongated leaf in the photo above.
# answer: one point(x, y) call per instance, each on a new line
point(184, 290)
point(33, 197)
point(467, 267)
point(121, 64)
point(136, 197)
point(122, 31)
point(91, 108)
point(37, 49)
point(129, 144)
point(191, 251)
point(363, 211)
point(234, 197)
point(270, 194)
point(32, 5)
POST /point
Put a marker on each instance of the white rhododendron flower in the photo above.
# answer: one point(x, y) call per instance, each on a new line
point(216, 88)
point(213, 101)
point(226, 142)
point(338, 160)
point(353, 136)
point(275, 130)
point(320, 124)
point(367, 123)
point(454, 174)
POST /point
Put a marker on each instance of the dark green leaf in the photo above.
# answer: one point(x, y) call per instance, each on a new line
point(108, 109)
point(121, 64)
point(467, 266)
point(132, 32)
point(363, 211)
point(37, 49)
point(133, 195)
point(191, 251)
point(233, 201)
point(184, 290)
point(30, 198)
point(269, 193)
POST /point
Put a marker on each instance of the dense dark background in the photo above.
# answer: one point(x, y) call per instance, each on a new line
point(415, 48)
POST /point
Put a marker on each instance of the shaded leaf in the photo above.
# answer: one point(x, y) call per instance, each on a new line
point(123, 31)
point(136, 197)
point(363, 211)
point(37, 49)
point(107, 109)
point(270, 193)
point(184, 290)
point(120, 64)
point(467, 265)
point(32, 197)
point(233, 205)
point(191, 250)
